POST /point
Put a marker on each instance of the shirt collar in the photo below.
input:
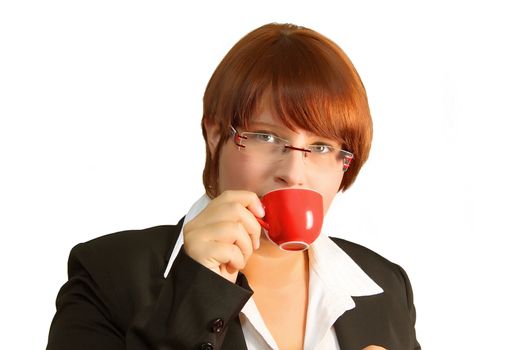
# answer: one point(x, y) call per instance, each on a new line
point(339, 273)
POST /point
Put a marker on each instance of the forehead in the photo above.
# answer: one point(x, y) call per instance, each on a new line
point(265, 115)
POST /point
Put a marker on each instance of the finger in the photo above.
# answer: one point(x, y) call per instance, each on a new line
point(232, 233)
point(248, 221)
point(222, 258)
point(247, 199)
point(227, 212)
point(226, 255)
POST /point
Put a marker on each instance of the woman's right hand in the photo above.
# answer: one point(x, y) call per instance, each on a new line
point(225, 234)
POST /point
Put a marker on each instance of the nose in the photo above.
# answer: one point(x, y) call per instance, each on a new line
point(291, 169)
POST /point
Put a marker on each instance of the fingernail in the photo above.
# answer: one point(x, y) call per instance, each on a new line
point(261, 211)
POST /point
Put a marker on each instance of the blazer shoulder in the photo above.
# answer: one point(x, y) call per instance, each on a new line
point(131, 244)
point(133, 253)
point(360, 253)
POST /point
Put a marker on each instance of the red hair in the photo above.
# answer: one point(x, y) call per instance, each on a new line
point(309, 81)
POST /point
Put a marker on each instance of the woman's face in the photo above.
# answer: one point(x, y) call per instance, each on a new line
point(238, 170)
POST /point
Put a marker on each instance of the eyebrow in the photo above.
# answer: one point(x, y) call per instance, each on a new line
point(270, 125)
point(262, 123)
point(323, 139)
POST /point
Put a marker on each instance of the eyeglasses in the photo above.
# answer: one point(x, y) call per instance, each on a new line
point(271, 148)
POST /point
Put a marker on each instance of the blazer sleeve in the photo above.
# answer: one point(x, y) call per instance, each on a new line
point(411, 308)
point(192, 309)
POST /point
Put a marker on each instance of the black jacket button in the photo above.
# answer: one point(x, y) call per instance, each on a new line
point(217, 325)
point(206, 346)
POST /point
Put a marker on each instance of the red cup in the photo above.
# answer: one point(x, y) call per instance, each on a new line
point(294, 217)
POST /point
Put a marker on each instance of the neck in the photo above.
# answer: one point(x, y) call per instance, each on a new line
point(271, 267)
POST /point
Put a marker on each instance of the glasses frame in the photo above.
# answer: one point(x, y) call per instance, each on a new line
point(239, 136)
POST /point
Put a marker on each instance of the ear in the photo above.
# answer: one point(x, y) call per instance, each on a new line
point(213, 135)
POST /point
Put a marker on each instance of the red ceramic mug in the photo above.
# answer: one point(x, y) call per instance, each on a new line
point(294, 217)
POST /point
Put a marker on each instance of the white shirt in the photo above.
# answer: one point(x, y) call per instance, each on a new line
point(334, 279)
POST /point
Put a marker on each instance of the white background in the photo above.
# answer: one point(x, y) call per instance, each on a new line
point(100, 106)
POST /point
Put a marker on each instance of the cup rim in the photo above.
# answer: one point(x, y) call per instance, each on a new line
point(292, 188)
point(280, 245)
point(305, 245)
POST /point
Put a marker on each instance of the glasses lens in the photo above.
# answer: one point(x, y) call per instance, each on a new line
point(326, 157)
point(269, 148)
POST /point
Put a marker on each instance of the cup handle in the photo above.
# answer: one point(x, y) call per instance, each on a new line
point(263, 223)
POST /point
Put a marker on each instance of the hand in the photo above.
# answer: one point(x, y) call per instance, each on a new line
point(225, 234)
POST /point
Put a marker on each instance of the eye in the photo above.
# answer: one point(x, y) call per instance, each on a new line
point(265, 137)
point(321, 149)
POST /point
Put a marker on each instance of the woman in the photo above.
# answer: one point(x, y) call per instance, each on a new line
point(284, 109)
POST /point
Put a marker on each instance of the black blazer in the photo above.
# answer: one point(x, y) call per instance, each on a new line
point(117, 298)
